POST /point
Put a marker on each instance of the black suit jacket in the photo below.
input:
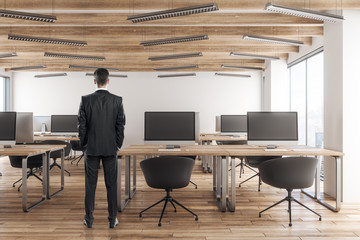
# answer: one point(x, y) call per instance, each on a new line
point(101, 122)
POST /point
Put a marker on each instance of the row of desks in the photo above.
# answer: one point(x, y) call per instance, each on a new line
point(221, 156)
point(26, 151)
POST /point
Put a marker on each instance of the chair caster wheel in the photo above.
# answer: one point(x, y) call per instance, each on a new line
point(319, 218)
point(196, 218)
point(140, 215)
point(159, 224)
point(259, 215)
point(175, 210)
point(239, 185)
point(290, 224)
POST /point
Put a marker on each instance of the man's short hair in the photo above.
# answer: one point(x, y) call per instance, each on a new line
point(101, 76)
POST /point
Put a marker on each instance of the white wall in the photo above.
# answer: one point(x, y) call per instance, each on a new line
point(208, 94)
point(276, 86)
point(351, 100)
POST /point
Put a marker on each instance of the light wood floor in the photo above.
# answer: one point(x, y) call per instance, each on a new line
point(61, 217)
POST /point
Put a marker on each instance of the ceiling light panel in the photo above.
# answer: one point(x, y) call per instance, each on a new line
point(177, 75)
point(28, 67)
point(245, 55)
point(305, 13)
point(74, 56)
point(110, 75)
point(175, 68)
point(27, 16)
point(166, 57)
point(174, 40)
point(50, 75)
point(92, 67)
point(232, 75)
point(273, 40)
point(46, 40)
point(242, 67)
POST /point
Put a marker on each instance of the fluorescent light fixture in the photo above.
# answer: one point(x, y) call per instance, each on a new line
point(241, 67)
point(28, 67)
point(27, 16)
point(63, 55)
point(175, 68)
point(305, 13)
point(273, 40)
point(51, 75)
point(46, 40)
point(185, 55)
point(92, 67)
point(177, 75)
point(110, 75)
point(245, 55)
point(232, 75)
point(174, 40)
point(174, 12)
point(5, 55)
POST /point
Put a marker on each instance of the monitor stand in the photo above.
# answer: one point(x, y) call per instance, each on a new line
point(271, 146)
point(172, 146)
point(43, 128)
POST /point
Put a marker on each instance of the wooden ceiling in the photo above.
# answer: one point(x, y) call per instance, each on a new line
point(104, 26)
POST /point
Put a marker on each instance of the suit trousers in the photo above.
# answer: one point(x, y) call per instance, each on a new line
point(92, 164)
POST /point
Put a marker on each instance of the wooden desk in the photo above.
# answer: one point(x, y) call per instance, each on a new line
point(189, 150)
point(221, 156)
point(38, 138)
point(208, 138)
point(27, 151)
point(251, 150)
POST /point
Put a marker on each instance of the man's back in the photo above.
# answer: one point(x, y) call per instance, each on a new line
point(101, 123)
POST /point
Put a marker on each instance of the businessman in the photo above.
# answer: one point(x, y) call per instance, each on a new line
point(101, 122)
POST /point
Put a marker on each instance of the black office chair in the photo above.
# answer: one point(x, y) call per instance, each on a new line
point(192, 157)
point(289, 173)
point(167, 173)
point(57, 154)
point(254, 162)
point(34, 164)
point(75, 146)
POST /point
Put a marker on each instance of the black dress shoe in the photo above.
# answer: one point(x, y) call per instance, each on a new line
point(114, 224)
point(87, 224)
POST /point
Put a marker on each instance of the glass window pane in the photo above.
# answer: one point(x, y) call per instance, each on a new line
point(315, 95)
point(298, 97)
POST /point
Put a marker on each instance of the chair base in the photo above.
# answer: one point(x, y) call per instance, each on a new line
point(290, 198)
point(77, 158)
point(167, 199)
point(257, 174)
point(57, 165)
point(31, 172)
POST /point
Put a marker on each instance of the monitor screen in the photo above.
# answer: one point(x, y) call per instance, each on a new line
point(170, 126)
point(233, 123)
point(7, 128)
point(272, 126)
point(42, 124)
point(64, 124)
point(24, 127)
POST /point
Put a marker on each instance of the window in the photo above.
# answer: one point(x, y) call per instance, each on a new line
point(306, 97)
point(4, 93)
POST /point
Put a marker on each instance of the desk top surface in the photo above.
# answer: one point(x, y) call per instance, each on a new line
point(218, 137)
point(227, 150)
point(55, 137)
point(25, 150)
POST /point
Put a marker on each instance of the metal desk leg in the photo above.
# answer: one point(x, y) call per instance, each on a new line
point(224, 183)
point(214, 175)
point(127, 176)
point(120, 204)
point(133, 190)
point(218, 178)
point(61, 170)
point(231, 204)
point(24, 182)
point(337, 186)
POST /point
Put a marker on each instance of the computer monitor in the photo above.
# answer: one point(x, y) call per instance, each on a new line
point(171, 128)
point(24, 127)
point(64, 125)
point(272, 128)
point(233, 124)
point(42, 124)
point(7, 128)
point(217, 124)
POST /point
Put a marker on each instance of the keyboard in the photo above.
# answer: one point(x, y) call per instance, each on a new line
point(276, 150)
point(169, 150)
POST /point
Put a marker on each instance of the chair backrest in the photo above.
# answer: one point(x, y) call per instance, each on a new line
point(255, 161)
point(167, 172)
point(237, 142)
point(57, 154)
point(33, 162)
point(75, 145)
point(289, 172)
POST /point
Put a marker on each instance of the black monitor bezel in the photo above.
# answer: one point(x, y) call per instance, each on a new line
point(221, 126)
point(171, 139)
point(14, 126)
point(51, 126)
point(268, 112)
